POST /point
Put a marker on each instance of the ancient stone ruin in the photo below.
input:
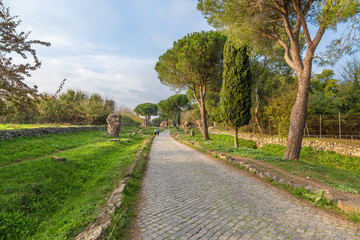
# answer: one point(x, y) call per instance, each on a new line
point(113, 125)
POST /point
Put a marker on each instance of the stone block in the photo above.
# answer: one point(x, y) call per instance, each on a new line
point(114, 125)
point(348, 206)
point(59, 159)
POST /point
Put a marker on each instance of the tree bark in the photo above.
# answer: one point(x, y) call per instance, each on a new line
point(201, 102)
point(257, 103)
point(236, 139)
point(298, 115)
point(203, 117)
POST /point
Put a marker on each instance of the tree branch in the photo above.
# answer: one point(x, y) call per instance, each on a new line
point(301, 16)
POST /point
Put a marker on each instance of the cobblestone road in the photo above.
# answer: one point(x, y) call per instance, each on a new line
point(186, 195)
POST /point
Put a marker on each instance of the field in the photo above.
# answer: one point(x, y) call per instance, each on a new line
point(44, 199)
point(336, 170)
point(22, 126)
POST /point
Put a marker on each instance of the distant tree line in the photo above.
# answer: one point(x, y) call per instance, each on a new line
point(73, 107)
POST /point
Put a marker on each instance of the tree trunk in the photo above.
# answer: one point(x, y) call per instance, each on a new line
point(298, 116)
point(178, 119)
point(203, 118)
point(236, 137)
point(257, 103)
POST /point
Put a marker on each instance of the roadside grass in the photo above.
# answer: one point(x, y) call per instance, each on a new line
point(120, 224)
point(44, 199)
point(22, 126)
point(339, 171)
point(19, 149)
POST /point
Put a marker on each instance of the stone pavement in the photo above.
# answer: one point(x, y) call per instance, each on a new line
point(187, 195)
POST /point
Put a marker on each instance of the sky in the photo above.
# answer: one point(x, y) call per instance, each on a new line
point(106, 46)
point(109, 47)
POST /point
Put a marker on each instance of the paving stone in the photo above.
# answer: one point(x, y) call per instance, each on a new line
point(187, 195)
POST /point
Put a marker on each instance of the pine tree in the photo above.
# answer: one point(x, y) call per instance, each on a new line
point(235, 96)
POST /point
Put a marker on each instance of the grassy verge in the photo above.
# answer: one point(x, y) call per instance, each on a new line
point(22, 126)
point(336, 170)
point(120, 226)
point(19, 149)
point(44, 199)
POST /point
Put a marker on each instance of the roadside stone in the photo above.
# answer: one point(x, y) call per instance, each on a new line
point(114, 124)
point(268, 175)
point(252, 169)
point(329, 195)
point(309, 188)
point(58, 159)
point(348, 206)
point(276, 178)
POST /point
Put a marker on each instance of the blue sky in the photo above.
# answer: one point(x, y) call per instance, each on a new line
point(107, 46)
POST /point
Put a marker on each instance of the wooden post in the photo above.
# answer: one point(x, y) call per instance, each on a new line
point(320, 126)
point(339, 125)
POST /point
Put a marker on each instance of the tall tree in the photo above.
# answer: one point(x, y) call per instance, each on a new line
point(12, 73)
point(146, 110)
point(235, 95)
point(194, 62)
point(283, 22)
point(173, 106)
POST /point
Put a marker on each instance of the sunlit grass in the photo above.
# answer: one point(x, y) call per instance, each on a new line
point(339, 171)
point(45, 199)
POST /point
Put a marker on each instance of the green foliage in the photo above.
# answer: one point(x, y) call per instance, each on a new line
point(44, 199)
point(173, 106)
point(125, 119)
point(317, 198)
point(278, 110)
point(147, 110)
point(235, 96)
point(266, 24)
point(73, 107)
point(193, 60)
point(14, 45)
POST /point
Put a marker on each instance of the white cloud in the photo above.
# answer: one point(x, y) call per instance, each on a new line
point(127, 81)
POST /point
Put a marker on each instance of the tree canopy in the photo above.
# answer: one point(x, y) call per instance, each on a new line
point(235, 95)
point(146, 110)
point(12, 74)
point(194, 62)
point(173, 106)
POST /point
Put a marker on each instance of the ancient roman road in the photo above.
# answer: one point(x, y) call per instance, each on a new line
point(187, 195)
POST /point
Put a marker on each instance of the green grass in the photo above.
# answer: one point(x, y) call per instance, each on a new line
point(19, 149)
point(44, 199)
point(120, 225)
point(339, 171)
point(22, 126)
point(324, 158)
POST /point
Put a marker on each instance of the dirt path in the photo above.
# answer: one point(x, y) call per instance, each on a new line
point(188, 195)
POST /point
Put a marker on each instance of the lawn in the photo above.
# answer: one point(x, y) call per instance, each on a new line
point(44, 199)
point(20, 149)
point(336, 170)
point(22, 126)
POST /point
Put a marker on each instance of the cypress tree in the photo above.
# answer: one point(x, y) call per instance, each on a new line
point(235, 95)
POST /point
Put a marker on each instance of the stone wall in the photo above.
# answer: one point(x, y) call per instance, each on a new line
point(316, 144)
point(9, 134)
